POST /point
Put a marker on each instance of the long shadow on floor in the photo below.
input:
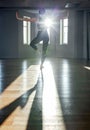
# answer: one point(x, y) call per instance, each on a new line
point(35, 117)
point(21, 101)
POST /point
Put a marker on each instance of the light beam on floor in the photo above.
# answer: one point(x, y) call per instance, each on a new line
point(18, 118)
point(52, 112)
point(86, 67)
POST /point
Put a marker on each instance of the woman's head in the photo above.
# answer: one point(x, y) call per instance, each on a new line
point(41, 11)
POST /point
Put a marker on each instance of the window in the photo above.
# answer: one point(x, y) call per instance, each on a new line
point(26, 32)
point(63, 31)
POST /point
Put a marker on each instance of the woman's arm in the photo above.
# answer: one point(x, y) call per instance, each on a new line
point(25, 19)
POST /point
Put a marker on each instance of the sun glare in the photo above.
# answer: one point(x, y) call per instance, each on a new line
point(48, 22)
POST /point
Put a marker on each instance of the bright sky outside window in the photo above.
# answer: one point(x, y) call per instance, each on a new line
point(63, 31)
point(26, 32)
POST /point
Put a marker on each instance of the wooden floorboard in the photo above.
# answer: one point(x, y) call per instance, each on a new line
point(54, 98)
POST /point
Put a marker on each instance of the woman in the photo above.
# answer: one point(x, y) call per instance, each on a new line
point(42, 34)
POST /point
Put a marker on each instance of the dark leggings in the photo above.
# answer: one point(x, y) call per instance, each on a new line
point(41, 36)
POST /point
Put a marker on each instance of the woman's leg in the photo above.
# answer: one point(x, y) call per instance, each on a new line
point(44, 49)
point(35, 41)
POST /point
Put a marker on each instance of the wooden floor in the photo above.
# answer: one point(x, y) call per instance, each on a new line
point(56, 98)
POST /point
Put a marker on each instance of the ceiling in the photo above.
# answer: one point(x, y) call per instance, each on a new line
point(62, 4)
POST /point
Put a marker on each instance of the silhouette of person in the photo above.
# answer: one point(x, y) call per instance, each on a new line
point(42, 34)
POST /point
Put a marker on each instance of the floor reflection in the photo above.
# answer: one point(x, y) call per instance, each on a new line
point(52, 112)
point(54, 98)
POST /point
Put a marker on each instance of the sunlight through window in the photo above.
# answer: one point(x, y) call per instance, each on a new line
point(65, 78)
point(86, 67)
point(11, 99)
point(26, 32)
point(30, 76)
point(63, 31)
point(51, 104)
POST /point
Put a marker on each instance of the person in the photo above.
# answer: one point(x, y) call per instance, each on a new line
point(42, 34)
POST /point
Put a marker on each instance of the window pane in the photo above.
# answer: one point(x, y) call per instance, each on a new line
point(29, 32)
point(24, 23)
point(65, 33)
point(26, 31)
point(25, 35)
point(65, 22)
point(61, 34)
